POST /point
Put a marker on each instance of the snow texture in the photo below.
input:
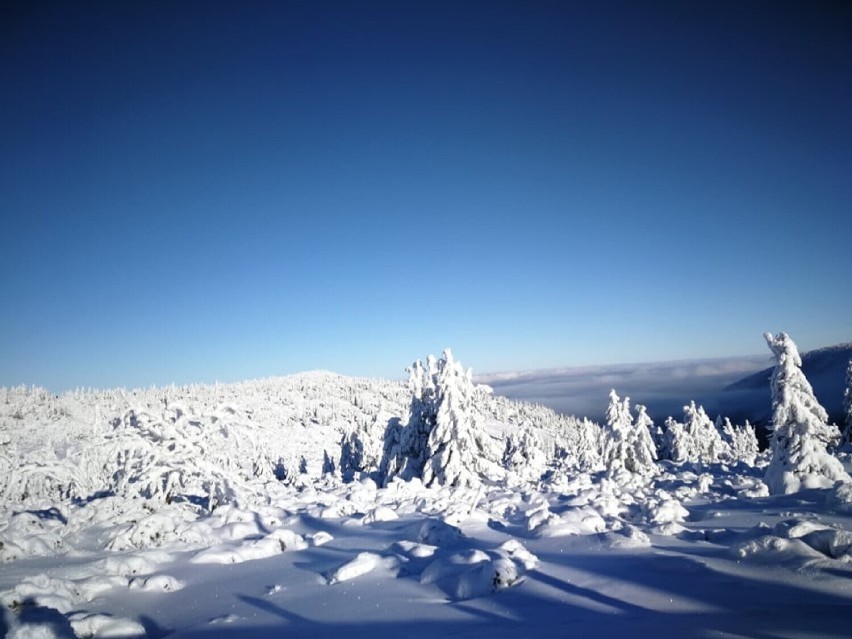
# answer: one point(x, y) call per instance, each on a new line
point(318, 506)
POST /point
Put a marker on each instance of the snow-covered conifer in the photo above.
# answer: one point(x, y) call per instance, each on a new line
point(847, 406)
point(645, 452)
point(328, 466)
point(627, 445)
point(524, 454)
point(800, 429)
point(707, 443)
point(589, 445)
point(352, 459)
point(360, 450)
point(678, 443)
point(452, 448)
point(439, 443)
point(747, 444)
point(741, 441)
point(616, 432)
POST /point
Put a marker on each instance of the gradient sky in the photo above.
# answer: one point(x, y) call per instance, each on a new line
point(200, 191)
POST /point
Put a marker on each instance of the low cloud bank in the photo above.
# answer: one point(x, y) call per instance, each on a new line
point(664, 387)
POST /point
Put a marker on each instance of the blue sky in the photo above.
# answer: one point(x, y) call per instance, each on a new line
point(210, 191)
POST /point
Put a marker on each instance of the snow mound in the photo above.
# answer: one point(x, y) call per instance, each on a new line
point(487, 577)
point(156, 583)
point(436, 532)
point(101, 625)
point(514, 550)
point(770, 549)
point(272, 544)
point(831, 542)
point(380, 513)
point(362, 564)
point(583, 520)
point(629, 537)
point(451, 565)
point(475, 573)
point(666, 511)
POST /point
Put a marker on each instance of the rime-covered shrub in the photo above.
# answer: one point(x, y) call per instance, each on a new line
point(800, 429)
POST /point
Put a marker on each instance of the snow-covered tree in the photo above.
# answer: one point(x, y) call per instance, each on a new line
point(676, 444)
point(588, 446)
point(707, 443)
point(847, 405)
point(741, 440)
point(616, 432)
point(747, 445)
point(627, 445)
point(452, 451)
point(439, 442)
point(697, 439)
point(800, 429)
point(524, 454)
point(644, 448)
point(578, 444)
point(360, 449)
point(406, 447)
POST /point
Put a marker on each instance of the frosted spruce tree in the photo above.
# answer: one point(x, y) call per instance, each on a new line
point(361, 448)
point(707, 443)
point(800, 429)
point(524, 454)
point(645, 449)
point(741, 440)
point(675, 444)
point(627, 445)
point(438, 444)
point(847, 406)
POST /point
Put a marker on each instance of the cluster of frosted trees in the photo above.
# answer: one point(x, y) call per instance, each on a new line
point(700, 439)
point(226, 444)
point(443, 441)
point(801, 434)
point(634, 444)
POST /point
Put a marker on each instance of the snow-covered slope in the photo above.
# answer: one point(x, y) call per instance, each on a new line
point(237, 510)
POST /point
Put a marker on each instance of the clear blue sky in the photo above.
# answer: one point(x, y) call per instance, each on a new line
point(200, 191)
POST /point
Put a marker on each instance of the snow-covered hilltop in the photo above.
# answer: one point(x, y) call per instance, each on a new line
point(234, 508)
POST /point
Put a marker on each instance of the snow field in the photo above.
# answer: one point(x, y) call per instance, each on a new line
point(305, 506)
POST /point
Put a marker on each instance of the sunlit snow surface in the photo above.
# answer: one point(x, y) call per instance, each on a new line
point(289, 550)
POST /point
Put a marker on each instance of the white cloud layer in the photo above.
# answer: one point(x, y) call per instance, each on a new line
point(664, 387)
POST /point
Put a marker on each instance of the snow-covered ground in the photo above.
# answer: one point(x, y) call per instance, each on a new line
point(251, 510)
